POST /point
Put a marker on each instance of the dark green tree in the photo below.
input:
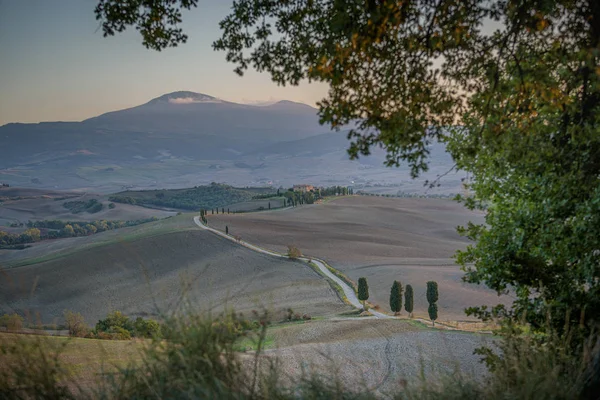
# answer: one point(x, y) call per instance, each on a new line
point(226, 230)
point(433, 312)
point(432, 292)
point(409, 300)
point(396, 297)
point(363, 290)
point(222, 210)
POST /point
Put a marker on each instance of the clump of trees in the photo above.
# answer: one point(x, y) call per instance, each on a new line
point(211, 196)
point(118, 326)
point(15, 240)
point(363, 291)
point(78, 206)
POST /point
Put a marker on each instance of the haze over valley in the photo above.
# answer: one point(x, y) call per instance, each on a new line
point(185, 139)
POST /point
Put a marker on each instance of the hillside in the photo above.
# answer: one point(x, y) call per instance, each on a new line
point(153, 274)
point(382, 239)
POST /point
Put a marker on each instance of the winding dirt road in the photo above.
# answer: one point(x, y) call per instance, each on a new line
point(348, 291)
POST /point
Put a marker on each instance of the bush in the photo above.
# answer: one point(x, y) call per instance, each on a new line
point(146, 328)
point(293, 252)
point(111, 205)
point(12, 322)
point(75, 323)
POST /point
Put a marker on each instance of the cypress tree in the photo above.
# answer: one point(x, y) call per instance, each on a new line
point(396, 297)
point(228, 211)
point(432, 298)
point(408, 300)
point(363, 290)
point(433, 312)
point(213, 211)
point(226, 230)
point(269, 205)
point(223, 210)
point(432, 292)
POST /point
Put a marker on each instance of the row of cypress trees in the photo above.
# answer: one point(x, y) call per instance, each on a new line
point(396, 297)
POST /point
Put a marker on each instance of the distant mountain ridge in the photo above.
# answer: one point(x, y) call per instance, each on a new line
point(183, 139)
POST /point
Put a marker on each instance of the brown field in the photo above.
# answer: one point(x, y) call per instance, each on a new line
point(376, 354)
point(152, 274)
point(383, 239)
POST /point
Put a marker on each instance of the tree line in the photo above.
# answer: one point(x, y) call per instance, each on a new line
point(55, 229)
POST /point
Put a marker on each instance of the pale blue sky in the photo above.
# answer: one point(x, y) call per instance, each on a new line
point(56, 66)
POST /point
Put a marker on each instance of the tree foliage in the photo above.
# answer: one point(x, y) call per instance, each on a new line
point(432, 310)
point(75, 323)
point(396, 297)
point(363, 290)
point(432, 292)
point(156, 20)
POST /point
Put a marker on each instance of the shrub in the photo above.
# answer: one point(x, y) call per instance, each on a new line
point(111, 205)
point(146, 328)
point(12, 322)
point(293, 252)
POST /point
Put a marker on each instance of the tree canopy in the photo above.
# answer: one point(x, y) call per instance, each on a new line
point(511, 86)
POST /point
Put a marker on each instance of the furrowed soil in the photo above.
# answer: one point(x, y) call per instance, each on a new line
point(383, 239)
point(154, 274)
point(381, 355)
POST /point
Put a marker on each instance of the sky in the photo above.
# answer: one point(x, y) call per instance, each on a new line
point(55, 65)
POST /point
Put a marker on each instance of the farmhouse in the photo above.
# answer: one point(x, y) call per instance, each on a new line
point(303, 188)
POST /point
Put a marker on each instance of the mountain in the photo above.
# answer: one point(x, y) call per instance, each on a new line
point(184, 139)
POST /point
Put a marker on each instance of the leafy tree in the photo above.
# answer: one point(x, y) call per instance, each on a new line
point(114, 320)
point(293, 252)
point(432, 292)
point(75, 324)
point(12, 322)
point(408, 300)
point(68, 231)
point(433, 312)
point(517, 103)
point(363, 290)
point(396, 297)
